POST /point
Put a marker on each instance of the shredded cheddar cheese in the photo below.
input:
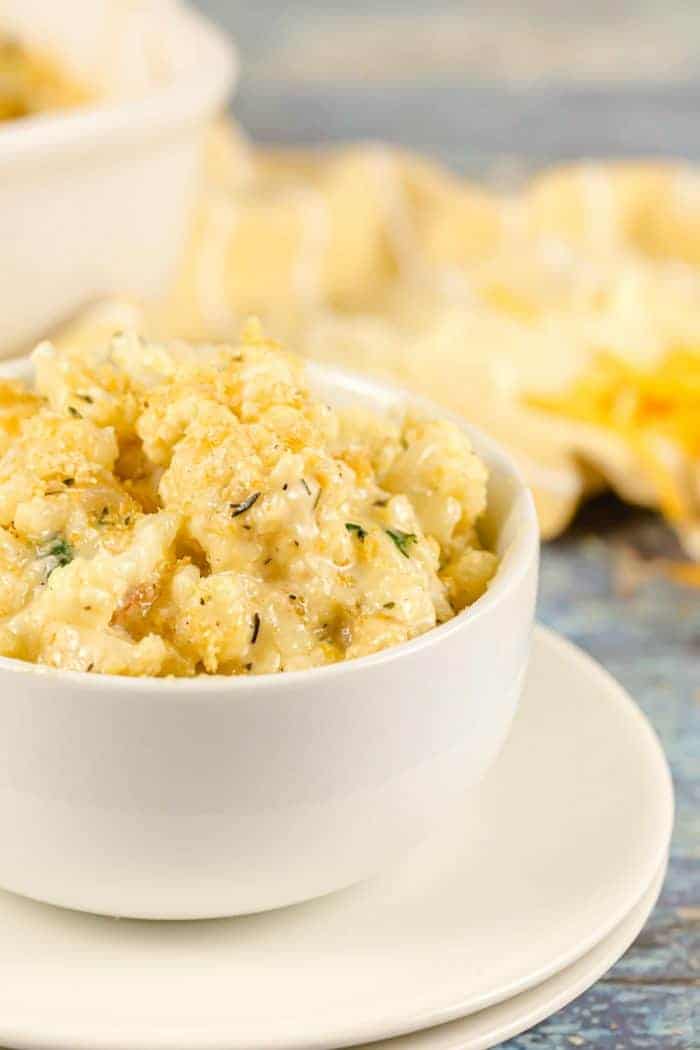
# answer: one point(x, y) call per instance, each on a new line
point(655, 410)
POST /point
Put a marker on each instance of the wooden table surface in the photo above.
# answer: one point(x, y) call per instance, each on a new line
point(539, 80)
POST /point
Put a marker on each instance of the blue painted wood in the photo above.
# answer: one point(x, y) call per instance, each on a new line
point(609, 1017)
point(650, 640)
point(544, 80)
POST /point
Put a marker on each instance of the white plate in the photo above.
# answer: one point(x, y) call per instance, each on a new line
point(492, 1026)
point(559, 844)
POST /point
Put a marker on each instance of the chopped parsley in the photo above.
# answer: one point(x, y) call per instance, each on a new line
point(389, 605)
point(57, 552)
point(241, 508)
point(256, 628)
point(402, 539)
point(352, 526)
point(74, 412)
point(303, 481)
point(68, 482)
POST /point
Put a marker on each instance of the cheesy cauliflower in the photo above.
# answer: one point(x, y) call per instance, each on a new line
point(32, 83)
point(170, 510)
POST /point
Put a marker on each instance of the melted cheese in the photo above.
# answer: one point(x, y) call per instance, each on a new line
point(655, 410)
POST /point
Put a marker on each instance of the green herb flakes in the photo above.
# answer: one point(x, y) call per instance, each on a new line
point(57, 552)
point(402, 539)
point(352, 526)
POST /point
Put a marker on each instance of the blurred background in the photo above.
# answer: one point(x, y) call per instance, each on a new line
point(472, 82)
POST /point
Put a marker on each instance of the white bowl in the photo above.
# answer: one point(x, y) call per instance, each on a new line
point(96, 200)
point(190, 798)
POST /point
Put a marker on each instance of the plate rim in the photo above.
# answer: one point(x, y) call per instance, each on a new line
point(582, 974)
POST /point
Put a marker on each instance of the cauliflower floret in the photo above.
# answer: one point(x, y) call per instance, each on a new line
point(441, 475)
point(468, 575)
point(16, 404)
point(87, 384)
point(68, 620)
point(54, 452)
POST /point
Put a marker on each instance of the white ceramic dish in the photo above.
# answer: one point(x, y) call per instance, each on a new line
point(203, 797)
point(492, 1026)
point(96, 200)
point(562, 840)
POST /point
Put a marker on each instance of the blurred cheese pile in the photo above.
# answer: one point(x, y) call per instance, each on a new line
point(31, 83)
point(564, 318)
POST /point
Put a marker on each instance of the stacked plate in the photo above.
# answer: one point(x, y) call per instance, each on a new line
point(502, 918)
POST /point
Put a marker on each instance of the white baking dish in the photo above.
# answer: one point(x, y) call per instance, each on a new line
point(95, 200)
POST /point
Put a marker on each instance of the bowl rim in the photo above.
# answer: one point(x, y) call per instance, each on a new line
point(515, 563)
point(198, 90)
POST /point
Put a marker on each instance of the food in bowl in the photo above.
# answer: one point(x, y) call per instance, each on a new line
point(172, 510)
point(32, 83)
